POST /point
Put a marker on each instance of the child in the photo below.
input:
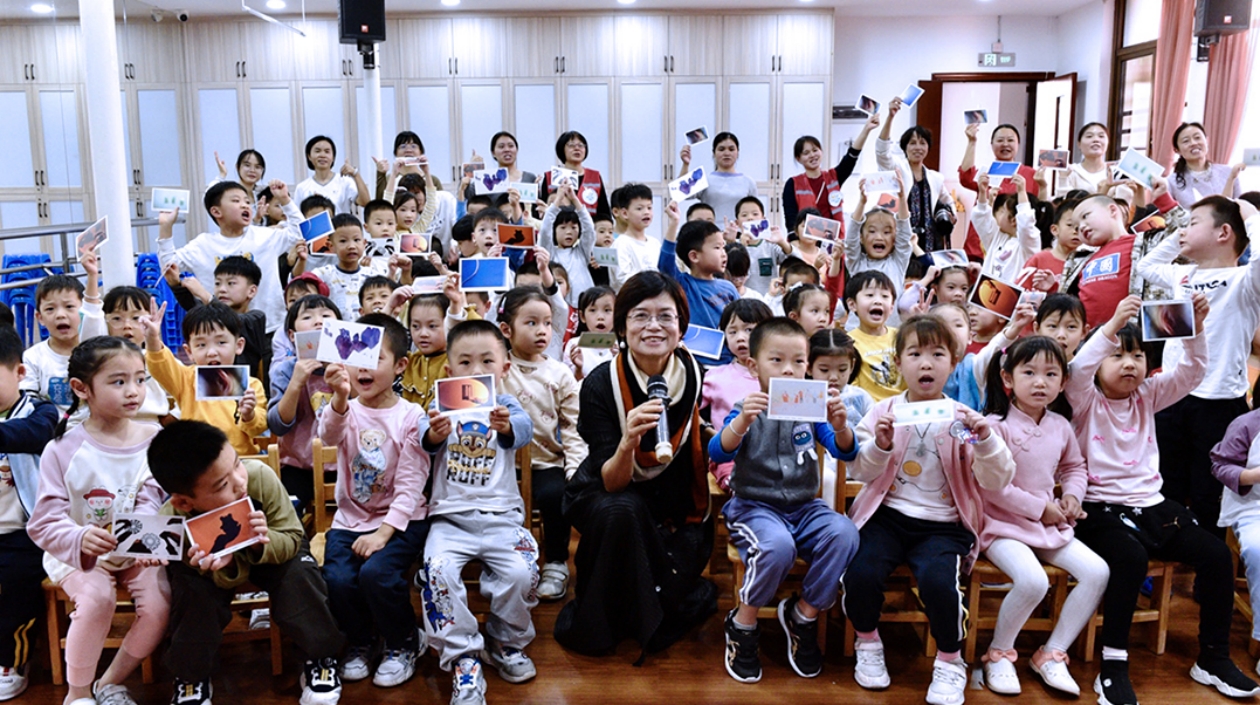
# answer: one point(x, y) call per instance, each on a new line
point(299, 395)
point(548, 392)
point(985, 325)
point(346, 190)
point(809, 305)
point(476, 512)
point(869, 294)
point(950, 285)
point(1187, 430)
point(70, 317)
point(381, 225)
point(430, 318)
point(1127, 519)
point(228, 204)
point(595, 307)
point(406, 212)
point(568, 233)
point(26, 426)
point(213, 335)
point(804, 248)
point(636, 252)
point(374, 294)
point(701, 211)
point(1008, 230)
point(967, 382)
point(196, 465)
point(774, 514)
point(765, 254)
point(724, 385)
point(701, 247)
point(346, 277)
point(920, 505)
point(235, 286)
point(485, 236)
point(603, 223)
point(299, 287)
point(380, 527)
point(93, 471)
point(1044, 270)
point(791, 273)
point(1025, 525)
point(1234, 463)
point(540, 273)
point(1062, 317)
point(881, 242)
point(125, 308)
point(834, 357)
point(737, 267)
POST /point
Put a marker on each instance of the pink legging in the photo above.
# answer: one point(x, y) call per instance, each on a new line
point(95, 596)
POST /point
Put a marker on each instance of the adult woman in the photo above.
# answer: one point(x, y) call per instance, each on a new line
point(503, 148)
point(816, 188)
point(407, 146)
point(726, 186)
point(1006, 148)
point(345, 189)
point(645, 524)
point(931, 207)
point(1092, 173)
point(1194, 177)
point(250, 169)
point(572, 150)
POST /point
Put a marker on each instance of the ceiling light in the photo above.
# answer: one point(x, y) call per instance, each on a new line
point(626, 2)
point(275, 4)
point(450, 3)
point(42, 8)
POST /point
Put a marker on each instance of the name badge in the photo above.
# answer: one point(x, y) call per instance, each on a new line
point(834, 198)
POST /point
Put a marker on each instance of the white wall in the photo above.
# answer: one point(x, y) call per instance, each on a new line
point(1084, 48)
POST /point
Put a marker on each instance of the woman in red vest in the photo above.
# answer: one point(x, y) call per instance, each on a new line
point(816, 188)
point(1005, 145)
point(571, 151)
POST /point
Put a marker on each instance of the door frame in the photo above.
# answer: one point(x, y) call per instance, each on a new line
point(929, 105)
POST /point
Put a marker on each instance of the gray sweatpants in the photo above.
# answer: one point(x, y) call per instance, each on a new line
point(509, 580)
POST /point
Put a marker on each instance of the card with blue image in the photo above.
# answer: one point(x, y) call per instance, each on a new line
point(705, 342)
point(1002, 170)
point(484, 274)
point(315, 230)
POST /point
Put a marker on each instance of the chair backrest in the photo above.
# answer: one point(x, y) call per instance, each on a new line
point(323, 459)
point(524, 467)
point(273, 457)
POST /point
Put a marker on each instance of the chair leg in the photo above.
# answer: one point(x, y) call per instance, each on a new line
point(1163, 587)
point(277, 655)
point(973, 609)
point(146, 670)
point(823, 621)
point(850, 638)
point(54, 637)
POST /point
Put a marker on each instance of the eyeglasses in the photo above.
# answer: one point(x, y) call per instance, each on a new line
point(641, 318)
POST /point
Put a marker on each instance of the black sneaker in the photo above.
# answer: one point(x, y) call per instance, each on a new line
point(1112, 684)
point(742, 660)
point(187, 693)
point(321, 684)
point(803, 651)
point(1221, 673)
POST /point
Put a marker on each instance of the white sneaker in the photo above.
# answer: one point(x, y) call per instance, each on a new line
point(1054, 673)
point(949, 682)
point(553, 582)
point(358, 663)
point(870, 671)
point(13, 681)
point(1000, 677)
point(259, 619)
point(513, 665)
point(396, 668)
point(470, 684)
point(113, 694)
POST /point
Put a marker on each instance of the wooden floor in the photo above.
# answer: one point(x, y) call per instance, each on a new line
point(692, 672)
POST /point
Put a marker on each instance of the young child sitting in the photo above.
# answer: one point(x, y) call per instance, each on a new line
point(213, 335)
point(881, 242)
point(125, 308)
point(701, 247)
point(869, 294)
point(26, 426)
point(568, 233)
point(791, 273)
point(1008, 230)
point(197, 466)
point(70, 318)
point(833, 357)
point(950, 285)
point(380, 524)
point(346, 277)
point(1128, 520)
point(724, 385)
point(636, 252)
point(476, 512)
point(774, 513)
point(431, 317)
point(301, 286)
point(921, 505)
point(235, 286)
point(595, 309)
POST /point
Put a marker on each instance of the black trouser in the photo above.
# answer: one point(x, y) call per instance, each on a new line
point(934, 551)
point(1128, 537)
point(200, 610)
point(548, 494)
point(1187, 431)
point(300, 483)
point(21, 596)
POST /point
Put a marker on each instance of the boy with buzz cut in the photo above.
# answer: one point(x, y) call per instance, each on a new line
point(485, 234)
point(476, 513)
point(201, 471)
point(702, 248)
point(213, 335)
point(26, 426)
point(636, 252)
point(701, 211)
point(346, 277)
point(229, 206)
point(72, 314)
point(775, 513)
point(1186, 431)
point(375, 293)
point(869, 295)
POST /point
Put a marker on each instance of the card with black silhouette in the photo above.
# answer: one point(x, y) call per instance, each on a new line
point(1168, 320)
point(224, 530)
point(976, 117)
point(516, 236)
point(689, 185)
point(382, 246)
point(820, 228)
point(462, 395)
point(348, 343)
point(149, 536)
point(490, 181)
point(221, 382)
point(996, 296)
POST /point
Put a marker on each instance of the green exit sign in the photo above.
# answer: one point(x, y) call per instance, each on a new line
point(996, 60)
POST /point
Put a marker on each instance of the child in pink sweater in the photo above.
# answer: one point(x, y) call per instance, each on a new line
point(921, 505)
point(1127, 520)
point(1025, 524)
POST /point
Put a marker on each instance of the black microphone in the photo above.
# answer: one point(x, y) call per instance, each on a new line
point(657, 388)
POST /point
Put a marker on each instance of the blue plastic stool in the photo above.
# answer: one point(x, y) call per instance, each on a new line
point(22, 299)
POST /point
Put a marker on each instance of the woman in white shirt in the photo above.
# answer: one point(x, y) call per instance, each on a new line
point(346, 190)
point(1092, 173)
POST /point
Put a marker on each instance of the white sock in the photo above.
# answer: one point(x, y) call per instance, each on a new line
point(1110, 654)
point(800, 618)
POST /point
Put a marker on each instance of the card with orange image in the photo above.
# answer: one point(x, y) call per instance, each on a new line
point(996, 296)
point(797, 400)
point(224, 530)
point(462, 395)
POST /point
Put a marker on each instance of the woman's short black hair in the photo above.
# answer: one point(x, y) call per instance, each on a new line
point(917, 131)
point(494, 141)
point(649, 285)
point(407, 137)
point(310, 144)
point(567, 137)
point(721, 137)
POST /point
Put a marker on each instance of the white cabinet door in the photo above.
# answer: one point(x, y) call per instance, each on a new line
point(15, 54)
point(214, 50)
point(425, 48)
point(641, 128)
point(695, 45)
point(536, 107)
point(389, 128)
point(317, 56)
point(161, 144)
point(750, 45)
point(694, 104)
point(430, 115)
point(803, 110)
point(589, 45)
point(805, 44)
point(751, 115)
point(534, 47)
point(218, 118)
point(59, 127)
point(587, 106)
point(642, 45)
point(17, 162)
point(480, 116)
point(480, 46)
point(268, 51)
point(151, 52)
point(271, 132)
point(55, 51)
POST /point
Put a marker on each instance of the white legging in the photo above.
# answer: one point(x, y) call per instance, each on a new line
point(1030, 584)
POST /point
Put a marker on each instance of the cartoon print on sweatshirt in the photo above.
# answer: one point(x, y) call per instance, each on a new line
point(803, 443)
point(100, 502)
point(6, 472)
point(369, 465)
point(470, 458)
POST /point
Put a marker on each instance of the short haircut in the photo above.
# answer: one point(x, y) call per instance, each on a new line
point(314, 203)
point(1226, 212)
point(794, 266)
point(917, 131)
point(396, 339)
point(469, 329)
point(801, 143)
point(774, 326)
point(378, 204)
point(407, 137)
point(57, 283)
point(310, 144)
point(567, 215)
point(240, 267)
point(492, 214)
point(567, 137)
point(482, 199)
point(601, 217)
point(697, 206)
point(746, 310)
point(617, 199)
point(208, 317)
point(750, 199)
point(870, 277)
point(928, 330)
point(438, 302)
point(462, 229)
point(645, 285)
point(182, 452)
point(1062, 304)
point(10, 347)
point(307, 303)
point(636, 192)
point(411, 182)
point(346, 220)
point(738, 263)
point(6, 316)
point(214, 195)
point(376, 281)
point(691, 237)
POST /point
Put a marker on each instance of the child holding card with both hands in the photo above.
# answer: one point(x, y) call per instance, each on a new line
point(880, 241)
point(595, 310)
point(568, 233)
point(1007, 230)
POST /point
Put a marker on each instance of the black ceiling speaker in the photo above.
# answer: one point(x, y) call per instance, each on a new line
point(362, 21)
point(1221, 17)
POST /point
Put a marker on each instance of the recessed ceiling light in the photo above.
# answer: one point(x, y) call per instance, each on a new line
point(42, 8)
point(626, 2)
point(275, 4)
point(450, 3)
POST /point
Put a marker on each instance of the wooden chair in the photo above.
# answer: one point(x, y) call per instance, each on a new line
point(57, 607)
point(983, 615)
point(1156, 613)
point(1242, 591)
point(323, 461)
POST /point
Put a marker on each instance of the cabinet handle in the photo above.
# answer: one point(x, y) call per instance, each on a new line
point(665, 64)
point(139, 210)
point(555, 64)
point(26, 72)
point(671, 63)
point(564, 60)
point(449, 63)
point(33, 77)
point(244, 69)
point(457, 66)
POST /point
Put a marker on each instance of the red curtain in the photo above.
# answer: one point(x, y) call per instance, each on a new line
point(1172, 73)
point(1227, 78)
